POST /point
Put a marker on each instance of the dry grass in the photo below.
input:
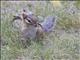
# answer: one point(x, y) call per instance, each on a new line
point(62, 44)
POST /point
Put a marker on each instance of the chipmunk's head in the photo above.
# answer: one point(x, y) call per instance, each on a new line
point(23, 16)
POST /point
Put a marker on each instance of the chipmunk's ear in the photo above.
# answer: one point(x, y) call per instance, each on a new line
point(24, 10)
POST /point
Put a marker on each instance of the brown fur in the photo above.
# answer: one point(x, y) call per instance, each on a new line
point(28, 29)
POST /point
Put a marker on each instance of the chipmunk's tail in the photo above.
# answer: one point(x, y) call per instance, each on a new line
point(48, 24)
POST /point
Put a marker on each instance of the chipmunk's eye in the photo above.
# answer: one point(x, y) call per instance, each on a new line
point(28, 20)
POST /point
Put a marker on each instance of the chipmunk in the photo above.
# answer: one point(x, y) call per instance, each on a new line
point(31, 28)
